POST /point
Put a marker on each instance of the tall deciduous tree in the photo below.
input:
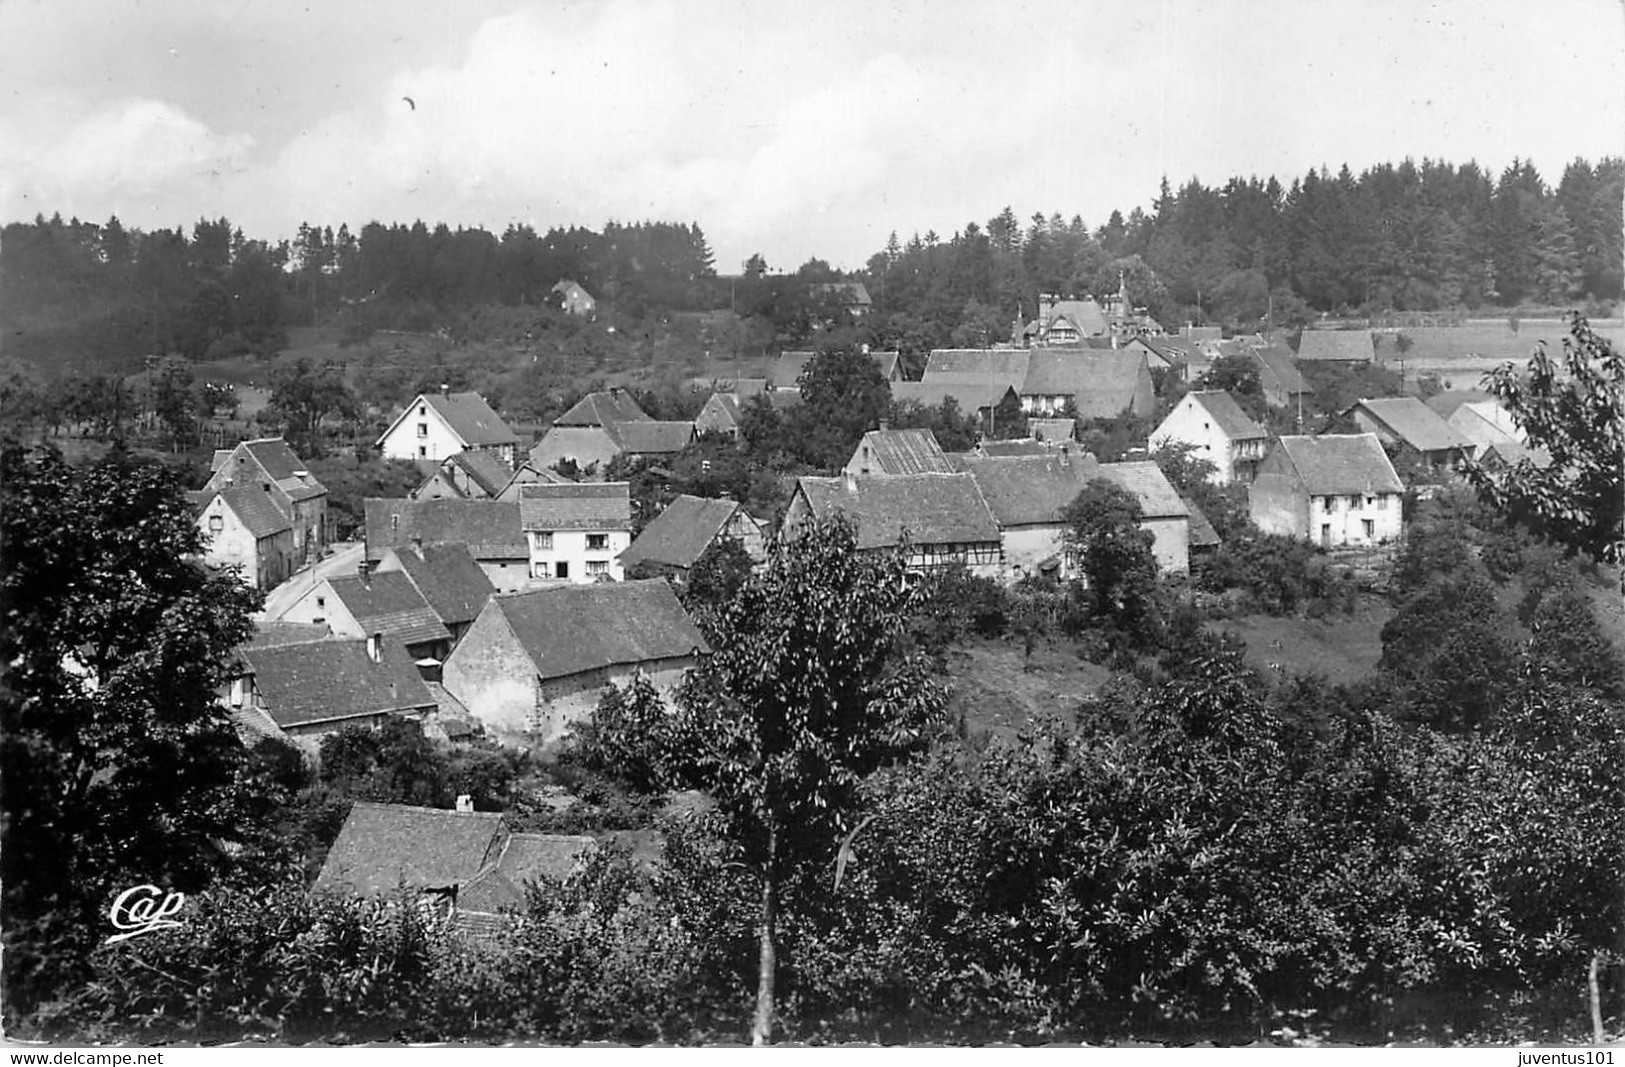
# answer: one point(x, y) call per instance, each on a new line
point(807, 690)
point(1114, 553)
point(118, 762)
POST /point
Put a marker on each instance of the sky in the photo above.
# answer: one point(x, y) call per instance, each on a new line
point(792, 129)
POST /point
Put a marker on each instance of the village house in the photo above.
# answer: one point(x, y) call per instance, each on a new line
point(1336, 346)
point(243, 527)
point(790, 366)
point(1065, 322)
point(1027, 495)
point(1098, 384)
point(1283, 385)
point(448, 579)
point(944, 516)
point(437, 426)
point(677, 537)
point(1162, 353)
point(360, 605)
point(853, 297)
point(973, 396)
point(652, 440)
point(1212, 423)
point(269, 463)
point(1162, 513)
point(587, 434)
point(722, 411)
point(887, 451)
point(1203, 538)
point(1333, 490)
point(466, 864)
point(528, 473)
point(489, 528)
point(1017, 446)
point(574, 300)
point(535, 662)
point(314, 688)
point(576, 532)
point(1411, 430)
point(468, 475)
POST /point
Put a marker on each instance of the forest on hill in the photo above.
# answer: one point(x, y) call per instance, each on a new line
point(1250, 253)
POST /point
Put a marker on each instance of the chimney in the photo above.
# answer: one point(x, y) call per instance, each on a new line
point(375, 650)
point(445, 390)
point(364, 570)
point(465, 802)
point(884, 426)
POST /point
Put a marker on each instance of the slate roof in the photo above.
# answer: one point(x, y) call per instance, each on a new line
point(1202, 534)
point(1341, 464)
point(902, 452)
point(651, 437)
point(448, 578)
point(1414, 423)
point(256, 510)
point(934, 509)
point(470, 418)
point(490, 528)
point(485, 468)
point(971, 396)
point(1029, 490)
point(679, 534)
point(1352, 346)
point(603, 408)
point(382, 847)
point(583, 506)
point(1052, 429)
point(1224, 410)
point(569, 629)
point(1277, 366)
point(388, 603)
point(333, 679)
point(1145, 480)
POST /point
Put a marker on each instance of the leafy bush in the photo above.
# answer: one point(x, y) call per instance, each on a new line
point(1279, 575)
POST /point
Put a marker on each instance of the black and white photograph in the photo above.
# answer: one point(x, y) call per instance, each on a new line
point(901, 524)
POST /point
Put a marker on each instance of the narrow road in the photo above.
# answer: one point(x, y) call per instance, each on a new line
point(344, 559)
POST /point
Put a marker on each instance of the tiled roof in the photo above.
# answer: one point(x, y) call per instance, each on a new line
point(855, 293)
point(471, 419)
point(1102, 384)
point(334, 679)
point(1224, 410)
point(1352, 346)
point(219, 458)
point(1028, 490)
point(1278, 367)
point(490, 528)
point(1414, 423)
point(970, 396)
point(1017, 446)
point(679, 534)
point(275, 456)
point(1172, 349)
point(485, 468)
point(524, 858)
point(603, 408)
point(382, 847)
point(1202, 534)
point(1514, 452)
point(254, 726)
point(649, 437)
point(1341, 464)
point(1145, 480)
point(268, 633)
point(1200, 334)
point(1483, 420)
point(256, 510)
point(528, 473)
point(584, 506)
point(1445, 404)
point(388, 603)
point(1086, 315)
point(934, 509)
point(901, 452)
point(748, 387)
point(1052, 429)
point(569, 629)
point(988, 365)
point(448, 578)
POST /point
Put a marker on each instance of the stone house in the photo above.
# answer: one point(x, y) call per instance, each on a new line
point(679, 535)
point(437, 426)
point(269, 463)
point(945, 516)
point(533, 663)
point(1213, 424)
point(1332, 490)
point(243, 527)
point(574, 533)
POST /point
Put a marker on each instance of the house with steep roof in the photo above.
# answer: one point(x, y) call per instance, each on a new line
point(790, 366)
point(1066, 322)
point(589, 433)
point(1099, 384)
point(476, 475)
point(1336, 346)
point(535, 662)
point(1278, 376)
point(1161, 352)
point(1410, 429)
point(243, 527)
point(1027, 495)
point(889, 363)
point(722, 411)
point(652, 439)
point(1484, 424)
point(972, 396)
point(944, 516)
point(490, 528)
point(676, 538)
point(269, 463)
point(887, 451)
point(448, 579)
point(1162, 512)
point(576, 532)
point(361, 605)
point(573, 299)
point(437, 426)
point(528, 473)
point(314, 688)
point(1213, 424)
point(1332, 490)
point(852, 296)
point(466, 863)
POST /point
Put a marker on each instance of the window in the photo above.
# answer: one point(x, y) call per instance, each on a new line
point(561, 570)
point(1368, 501)
point(539, 570)
point(541, 540)
point(216, 523)
point(423, 429)
point(321, 602)
point(597, 567)
point(1370, 529)
point(423, 453)
point(423, 410)
point(597, 542)
point(1325, 503)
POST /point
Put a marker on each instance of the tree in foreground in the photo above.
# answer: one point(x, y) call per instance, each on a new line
point(120, 768)
point(808, 689)
point(1576, 412)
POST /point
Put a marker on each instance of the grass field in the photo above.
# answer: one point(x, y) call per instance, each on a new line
point(1340, 648)
point(1463, 354)
point(997, 696)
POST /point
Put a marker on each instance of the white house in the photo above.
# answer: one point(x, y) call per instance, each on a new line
point(243, 527)
point(1332, 490)
point(1212, 423)
point(576, 532)
point(437, 426)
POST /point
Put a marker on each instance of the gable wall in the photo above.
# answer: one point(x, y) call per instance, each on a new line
point(493, 676)
point(434, 442)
